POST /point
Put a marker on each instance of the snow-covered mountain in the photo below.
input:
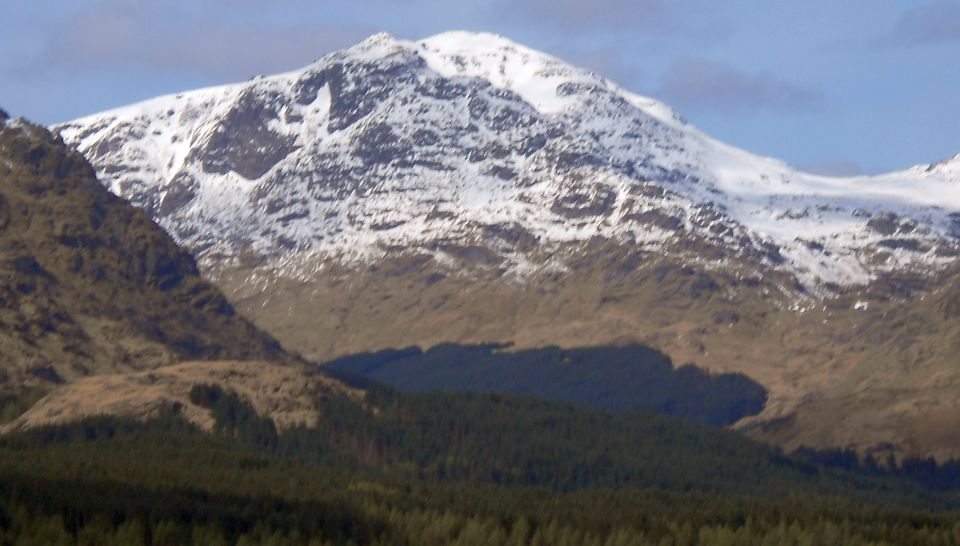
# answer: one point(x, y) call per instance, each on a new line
point(468, 140)
point(465, 188)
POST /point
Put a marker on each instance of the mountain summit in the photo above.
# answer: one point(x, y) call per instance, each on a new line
point(464, 188)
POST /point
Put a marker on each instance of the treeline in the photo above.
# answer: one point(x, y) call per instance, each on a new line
point(615, 378)
point(165, 483)
point(381, 524)
point(925, 471)
point(441, 469)
point(441, 438)
point(466, 438)
point(46, 512)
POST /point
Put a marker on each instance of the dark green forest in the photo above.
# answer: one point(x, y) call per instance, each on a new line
point(13, 405)
point(618, 379)
point(442, 469)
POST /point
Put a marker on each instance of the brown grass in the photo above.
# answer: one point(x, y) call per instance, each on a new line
point(288, 394)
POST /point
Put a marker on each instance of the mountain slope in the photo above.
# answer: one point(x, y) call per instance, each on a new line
point(467, 189)
point(88, 284)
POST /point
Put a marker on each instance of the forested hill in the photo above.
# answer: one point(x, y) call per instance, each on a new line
point(438, 470)
point(467, 438)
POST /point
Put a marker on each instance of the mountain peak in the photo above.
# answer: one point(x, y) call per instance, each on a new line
point(533, 75)
point(455, 42)
point(379, 37)
point(471, 42)
point(380, 44)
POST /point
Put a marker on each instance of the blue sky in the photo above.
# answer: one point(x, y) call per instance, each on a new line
point(838, 87)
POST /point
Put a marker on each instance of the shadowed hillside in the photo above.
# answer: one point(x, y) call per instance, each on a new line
point(610, 378)
point(88, 284)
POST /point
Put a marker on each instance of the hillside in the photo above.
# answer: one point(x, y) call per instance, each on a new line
point(89, 284)
point(288, 395)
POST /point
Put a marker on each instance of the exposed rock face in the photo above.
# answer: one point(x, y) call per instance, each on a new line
point(243, 142)
point(89, 284)
point(465, 188)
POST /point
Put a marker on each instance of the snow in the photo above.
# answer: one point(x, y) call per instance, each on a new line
point(819, 223)
point(531, 74)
